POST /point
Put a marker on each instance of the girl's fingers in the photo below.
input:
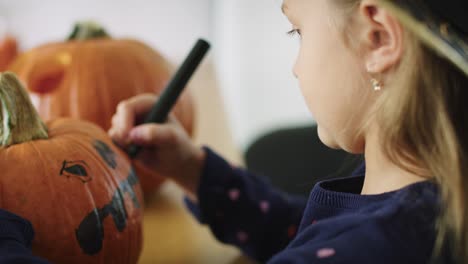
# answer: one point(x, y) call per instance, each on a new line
point(127, 112)
point(153, 135)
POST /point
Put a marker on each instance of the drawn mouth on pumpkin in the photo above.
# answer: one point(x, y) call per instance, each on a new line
point(90, 232)
point(75, 170)
point(106, 153)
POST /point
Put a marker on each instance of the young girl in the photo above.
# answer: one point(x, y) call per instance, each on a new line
point(383, 78)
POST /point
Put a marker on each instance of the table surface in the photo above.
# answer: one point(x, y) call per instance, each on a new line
point(172, 235)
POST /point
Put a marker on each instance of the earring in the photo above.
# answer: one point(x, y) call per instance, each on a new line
point(376, 84)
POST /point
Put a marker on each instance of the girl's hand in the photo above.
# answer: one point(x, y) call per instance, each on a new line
point(166, 148)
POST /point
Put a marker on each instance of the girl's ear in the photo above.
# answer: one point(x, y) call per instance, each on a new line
point(383, 37)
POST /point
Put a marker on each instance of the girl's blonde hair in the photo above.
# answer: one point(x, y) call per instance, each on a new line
point(424, 127)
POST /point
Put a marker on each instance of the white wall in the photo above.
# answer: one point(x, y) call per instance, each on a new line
point(171, 26)
point(252, 54)
point(255, 59)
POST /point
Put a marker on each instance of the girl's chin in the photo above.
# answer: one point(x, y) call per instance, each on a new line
point(326, 138)
point(353, 145)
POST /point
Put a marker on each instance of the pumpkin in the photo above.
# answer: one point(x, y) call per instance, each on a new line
point(8, 51)
point(68, 179)
point(87, 76)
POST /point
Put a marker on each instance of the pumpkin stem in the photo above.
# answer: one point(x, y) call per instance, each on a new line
point(87, 30)
point(19, 120)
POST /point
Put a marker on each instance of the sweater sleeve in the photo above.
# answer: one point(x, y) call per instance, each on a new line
point(16, 235)
point(244, 210)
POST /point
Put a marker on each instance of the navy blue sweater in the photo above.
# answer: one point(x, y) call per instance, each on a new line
point(335, 225)
point(15, 240)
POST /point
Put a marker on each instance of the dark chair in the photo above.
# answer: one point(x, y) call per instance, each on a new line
point(294, 159)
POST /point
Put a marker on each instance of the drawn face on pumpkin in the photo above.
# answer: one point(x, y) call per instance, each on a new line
point(90, 232)
point(80, 193)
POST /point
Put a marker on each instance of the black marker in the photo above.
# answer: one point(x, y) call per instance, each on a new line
point(168, 98)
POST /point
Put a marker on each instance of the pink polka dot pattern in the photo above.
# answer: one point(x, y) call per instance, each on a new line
point(242, 236)
point(325, 253)
point(264, 206)
point(234, 194)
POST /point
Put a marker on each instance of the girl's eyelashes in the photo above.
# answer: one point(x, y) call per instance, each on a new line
point(294, 32)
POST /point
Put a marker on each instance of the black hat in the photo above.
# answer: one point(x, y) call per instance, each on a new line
point(440, 24)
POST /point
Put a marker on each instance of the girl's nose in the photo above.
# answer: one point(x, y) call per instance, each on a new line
point(294, 70)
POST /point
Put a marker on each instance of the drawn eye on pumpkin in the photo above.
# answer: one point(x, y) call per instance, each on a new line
point(106, 153)
point(76, 170)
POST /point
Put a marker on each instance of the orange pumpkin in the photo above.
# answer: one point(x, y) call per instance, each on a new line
point(8, 51)
point(87, 76)
point(76, 188)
